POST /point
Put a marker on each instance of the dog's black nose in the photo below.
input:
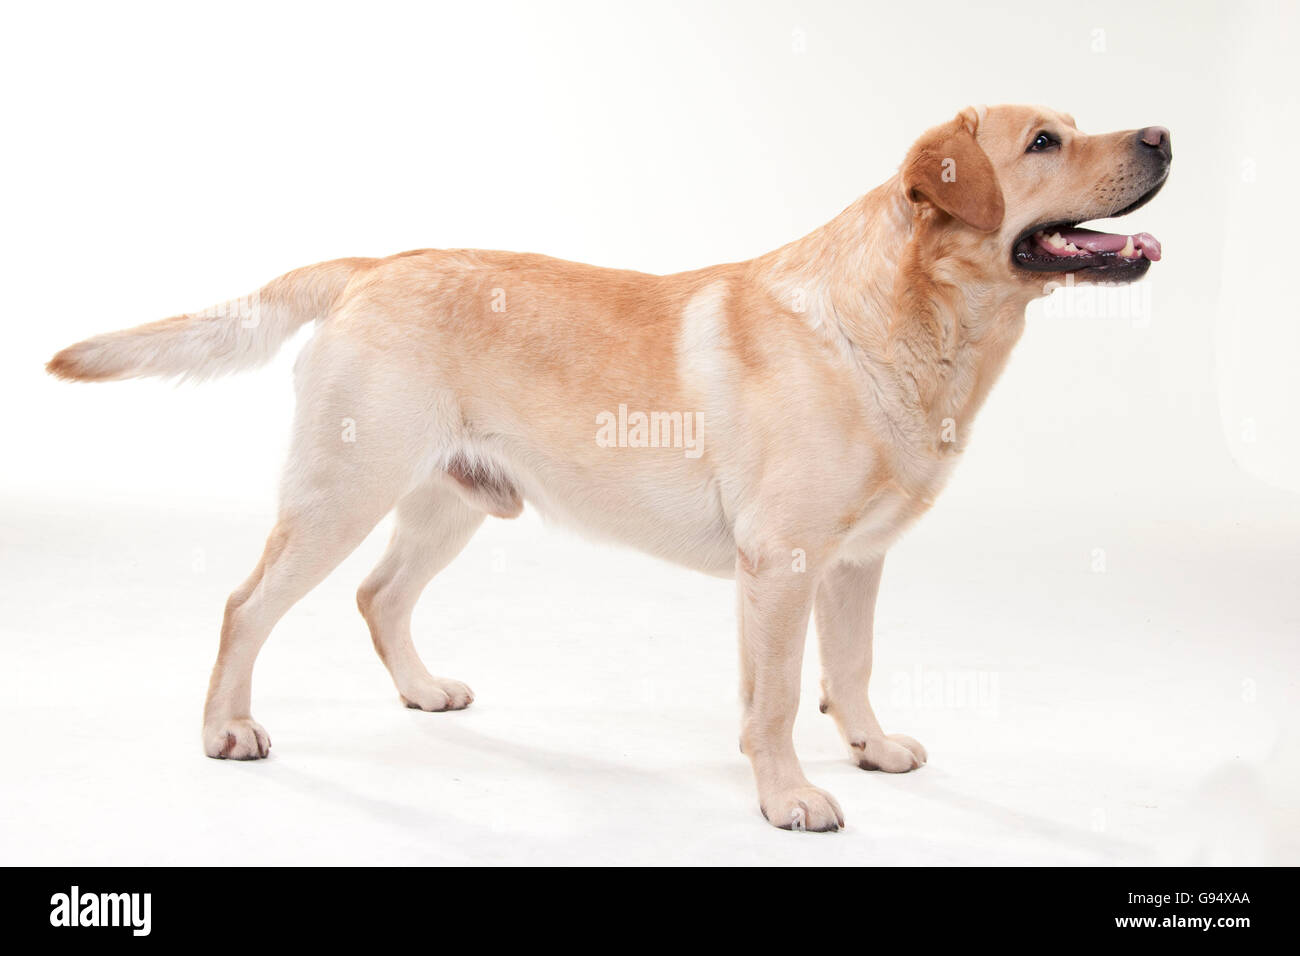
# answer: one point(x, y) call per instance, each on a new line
point(1157, 138)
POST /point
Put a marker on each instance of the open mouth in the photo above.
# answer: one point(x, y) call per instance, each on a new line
point(1063, 246)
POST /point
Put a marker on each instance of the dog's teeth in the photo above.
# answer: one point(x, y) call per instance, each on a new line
point(1055, 241)
point(1127, 252)
point(1071, 247)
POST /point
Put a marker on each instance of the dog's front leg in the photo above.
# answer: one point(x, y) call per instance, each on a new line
point(774, 601)
point(846, 605)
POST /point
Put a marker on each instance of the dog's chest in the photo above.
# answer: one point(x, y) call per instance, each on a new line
point(893, 506)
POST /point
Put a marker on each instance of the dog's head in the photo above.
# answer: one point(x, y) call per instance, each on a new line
point(1021, 179)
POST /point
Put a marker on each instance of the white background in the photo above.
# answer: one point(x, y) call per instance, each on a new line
point(1114, 564)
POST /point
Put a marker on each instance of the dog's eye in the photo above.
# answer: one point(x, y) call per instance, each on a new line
point(1043, 141)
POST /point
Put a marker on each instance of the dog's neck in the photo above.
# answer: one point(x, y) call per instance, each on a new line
point(911, 304)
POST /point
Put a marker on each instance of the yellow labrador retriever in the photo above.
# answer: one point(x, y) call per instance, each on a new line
point(779, 420)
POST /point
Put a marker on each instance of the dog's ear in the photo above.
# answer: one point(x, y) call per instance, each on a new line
point(947, 168)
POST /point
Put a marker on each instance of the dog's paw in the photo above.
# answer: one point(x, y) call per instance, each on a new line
point(437, 693)
point(803, 808)
point(241, 738)
point(892, 753)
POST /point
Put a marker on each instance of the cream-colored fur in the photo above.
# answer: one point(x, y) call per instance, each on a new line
point(832, 382)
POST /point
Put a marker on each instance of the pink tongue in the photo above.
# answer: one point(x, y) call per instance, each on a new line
point(1149, 245)
point(1095, 241)
point(1109, 242)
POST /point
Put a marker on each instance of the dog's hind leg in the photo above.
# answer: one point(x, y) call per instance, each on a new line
point(433, 523)
point(354, 455)
point(305, 545)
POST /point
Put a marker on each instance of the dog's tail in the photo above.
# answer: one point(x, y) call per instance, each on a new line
point(242, 333)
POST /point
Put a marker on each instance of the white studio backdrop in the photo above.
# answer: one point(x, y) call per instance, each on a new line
point(161, 158)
